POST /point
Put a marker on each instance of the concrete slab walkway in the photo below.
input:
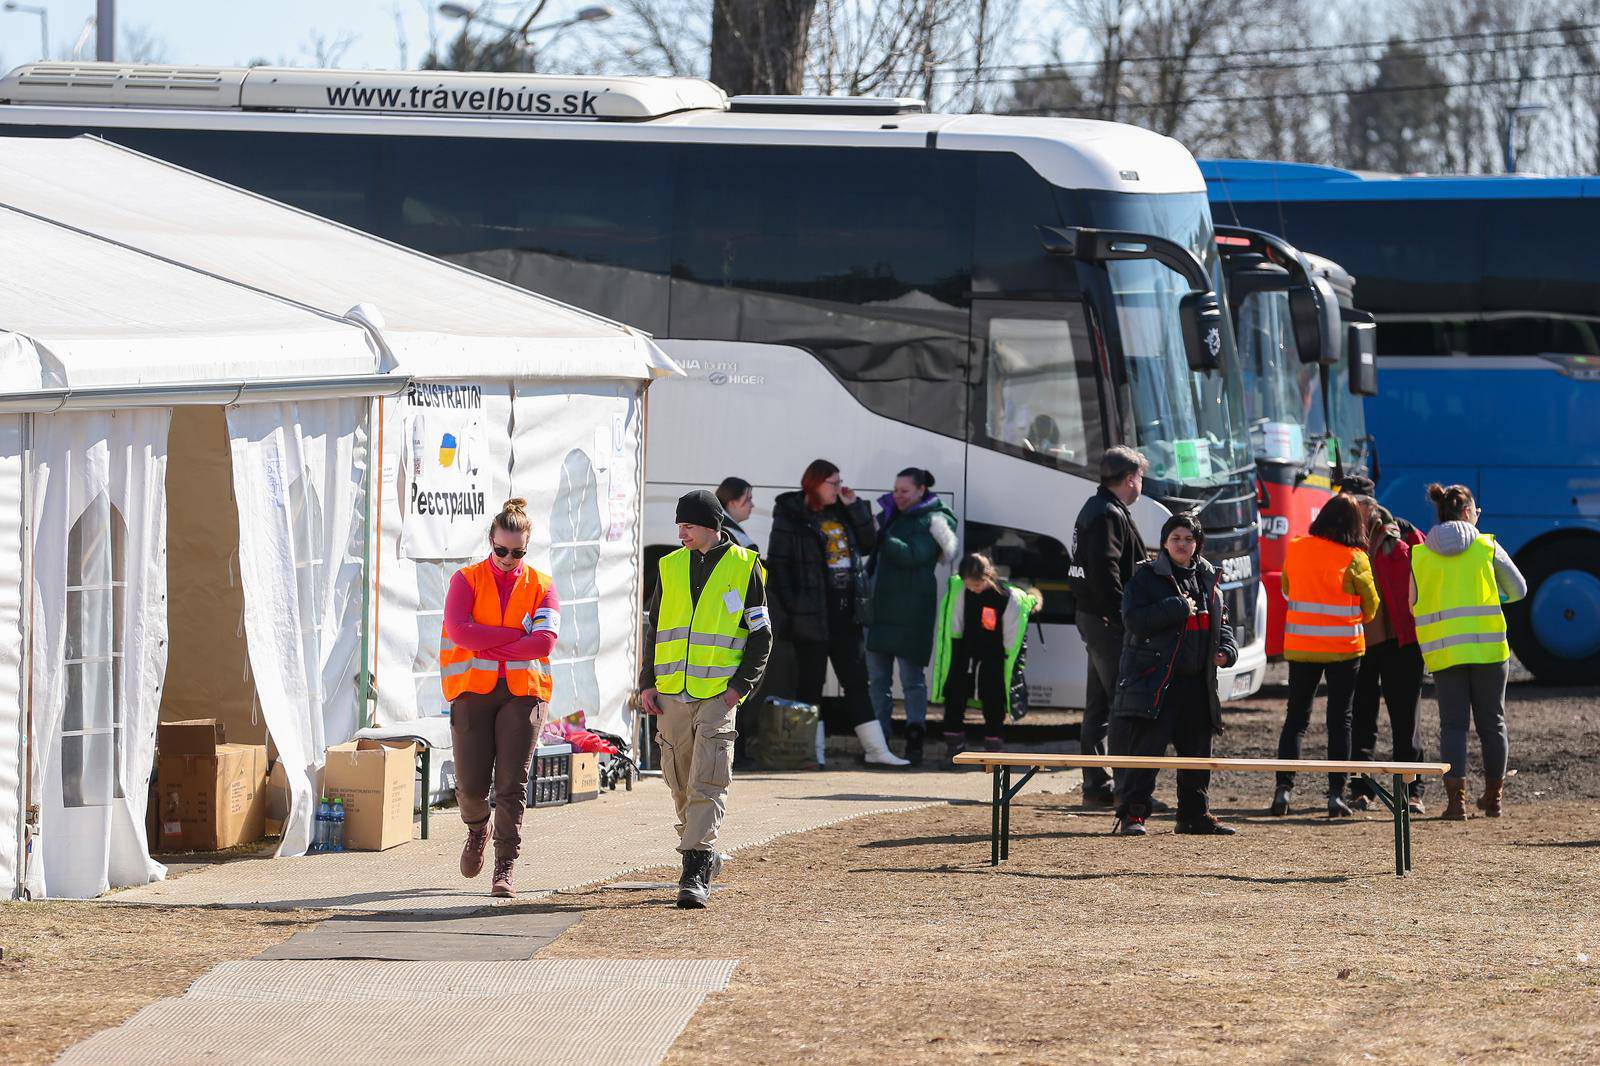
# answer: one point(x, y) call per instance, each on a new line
point(383, 1013)
point(563, 847)
point(418, 977)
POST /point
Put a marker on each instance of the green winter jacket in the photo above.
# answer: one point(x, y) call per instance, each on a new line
point(950, 620)
point(905, 589)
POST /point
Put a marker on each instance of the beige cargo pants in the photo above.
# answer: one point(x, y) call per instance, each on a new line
point(696, 745)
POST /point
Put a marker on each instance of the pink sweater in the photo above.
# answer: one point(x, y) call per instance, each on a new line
point(500, 643)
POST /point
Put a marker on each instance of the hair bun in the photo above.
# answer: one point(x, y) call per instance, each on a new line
point(927, 479)
point(516, 503)
point(1436, 492)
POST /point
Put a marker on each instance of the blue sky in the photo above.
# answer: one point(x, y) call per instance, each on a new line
point(226, 32)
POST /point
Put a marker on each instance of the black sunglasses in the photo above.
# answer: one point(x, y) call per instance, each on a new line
point(503, 551)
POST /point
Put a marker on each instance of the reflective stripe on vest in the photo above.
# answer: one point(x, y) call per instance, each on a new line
point(460, 671)
point(1322, 618)
point(1459, 620)
point(699, 644)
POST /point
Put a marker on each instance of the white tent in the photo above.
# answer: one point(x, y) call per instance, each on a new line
point(157, 302)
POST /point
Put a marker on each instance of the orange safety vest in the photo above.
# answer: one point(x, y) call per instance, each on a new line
point(461, 672)
point(1322, 617)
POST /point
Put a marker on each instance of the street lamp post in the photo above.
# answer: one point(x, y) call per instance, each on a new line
point(1514, 112)
point(105, 30)
point(522, 33)
point(44, 23)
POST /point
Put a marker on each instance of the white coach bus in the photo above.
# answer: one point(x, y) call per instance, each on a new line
point(995, 299)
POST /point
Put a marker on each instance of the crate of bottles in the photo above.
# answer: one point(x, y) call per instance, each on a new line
point(550, 778)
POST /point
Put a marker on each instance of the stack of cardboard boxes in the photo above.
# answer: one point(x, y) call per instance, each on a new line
point(210, 795)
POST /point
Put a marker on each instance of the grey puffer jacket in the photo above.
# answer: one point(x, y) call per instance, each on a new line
point(1453, 538)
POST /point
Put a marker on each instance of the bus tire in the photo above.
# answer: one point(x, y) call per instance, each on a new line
point(1555, 629)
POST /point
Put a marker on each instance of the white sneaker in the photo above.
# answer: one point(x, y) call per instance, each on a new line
point(874, 748)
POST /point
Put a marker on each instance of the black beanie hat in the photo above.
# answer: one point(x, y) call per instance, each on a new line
point(702, 508)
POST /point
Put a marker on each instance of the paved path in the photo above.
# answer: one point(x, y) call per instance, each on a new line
point(390, 1013)
point(563, 847)
point(344, 992)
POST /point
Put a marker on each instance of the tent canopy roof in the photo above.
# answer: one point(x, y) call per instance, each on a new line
point(128, 257)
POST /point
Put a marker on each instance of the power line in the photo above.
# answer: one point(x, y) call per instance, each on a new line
point(1310, 49)
point(1307, 95)
point(1047, 74)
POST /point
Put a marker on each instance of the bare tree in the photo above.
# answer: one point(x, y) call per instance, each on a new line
point(759, 46)
point(325, 51)
point(141, 44)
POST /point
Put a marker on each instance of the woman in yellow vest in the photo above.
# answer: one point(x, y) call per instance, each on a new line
point(501, 619)
point(1327, 581)
point(1459, 579)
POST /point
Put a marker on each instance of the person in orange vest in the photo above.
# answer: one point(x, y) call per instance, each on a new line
point(501, 619)
point(1327, 581)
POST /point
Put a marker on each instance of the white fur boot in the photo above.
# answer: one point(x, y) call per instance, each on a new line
point(874, 748)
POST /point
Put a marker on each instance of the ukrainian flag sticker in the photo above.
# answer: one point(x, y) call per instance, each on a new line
point(447, 450)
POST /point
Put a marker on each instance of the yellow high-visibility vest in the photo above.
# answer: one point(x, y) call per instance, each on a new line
point(1459, 620)
point(700, 644)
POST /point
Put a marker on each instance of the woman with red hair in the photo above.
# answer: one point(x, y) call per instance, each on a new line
point(817, 594)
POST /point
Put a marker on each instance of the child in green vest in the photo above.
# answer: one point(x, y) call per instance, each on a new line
point(983, 629)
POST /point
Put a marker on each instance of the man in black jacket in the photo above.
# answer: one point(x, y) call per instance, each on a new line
point(1105, 549)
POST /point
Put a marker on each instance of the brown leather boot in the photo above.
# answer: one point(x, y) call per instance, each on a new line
point(1455, 790)
point(1494, 791)
point(504, 863)
point(472, 850)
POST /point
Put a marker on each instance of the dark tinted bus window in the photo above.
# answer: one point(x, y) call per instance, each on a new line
point(1540, 256)
point(335, 177)
point(1013, 201)
point(584, 222)
point(862, 256)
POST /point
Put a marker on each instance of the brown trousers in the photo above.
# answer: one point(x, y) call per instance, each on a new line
point(494, 734)
point(696, 739)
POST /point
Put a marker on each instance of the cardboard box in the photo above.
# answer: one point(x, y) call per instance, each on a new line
point(374, 778)
point(277, 800)
point(585, 775)
point(210, 794)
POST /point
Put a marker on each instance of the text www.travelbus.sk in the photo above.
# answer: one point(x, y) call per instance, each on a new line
point(497, 101)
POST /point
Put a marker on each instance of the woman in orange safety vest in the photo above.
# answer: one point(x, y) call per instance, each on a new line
point(1327, 581)
point(501, 619)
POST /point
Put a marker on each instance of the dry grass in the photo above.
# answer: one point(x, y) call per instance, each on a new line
point(890, 938)
point(73, 968)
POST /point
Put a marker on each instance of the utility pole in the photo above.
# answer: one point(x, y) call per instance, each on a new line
point(105, 30)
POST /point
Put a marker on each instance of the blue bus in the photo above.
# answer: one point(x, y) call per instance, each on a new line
point(1486, 292)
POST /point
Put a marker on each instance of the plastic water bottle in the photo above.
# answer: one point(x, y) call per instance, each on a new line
point(336, 842)
point(319, 838)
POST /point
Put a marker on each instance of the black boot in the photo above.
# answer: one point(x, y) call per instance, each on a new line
point(694, 887)
point(914, 735)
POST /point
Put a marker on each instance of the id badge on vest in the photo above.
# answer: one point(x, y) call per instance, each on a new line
point(732, 601)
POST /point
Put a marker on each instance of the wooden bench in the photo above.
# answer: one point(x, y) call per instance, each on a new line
point(1001, 763)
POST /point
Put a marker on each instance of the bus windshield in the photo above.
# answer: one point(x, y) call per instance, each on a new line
point(1283, 396)
point(1189, 425)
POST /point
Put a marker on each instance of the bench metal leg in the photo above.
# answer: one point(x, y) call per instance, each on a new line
point(1396, 803)
point(1402, 797)
point(1005, 815)
point(994, 820)
point(427, 786)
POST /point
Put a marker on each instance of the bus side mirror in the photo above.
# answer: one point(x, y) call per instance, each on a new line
point(1362, 334)
point(1200, 313)
point(1305, 315)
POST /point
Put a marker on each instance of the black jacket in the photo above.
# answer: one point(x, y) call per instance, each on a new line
point(1105, 548)
point(1155, 616)
point(797, 569)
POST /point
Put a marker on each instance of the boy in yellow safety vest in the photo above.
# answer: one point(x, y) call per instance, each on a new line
point(706, 643)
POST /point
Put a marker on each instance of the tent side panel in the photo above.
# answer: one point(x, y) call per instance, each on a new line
point(412, 588)
point(577, 458)
point(12, 638)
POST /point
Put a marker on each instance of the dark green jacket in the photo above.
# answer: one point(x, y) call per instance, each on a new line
point(905, 589)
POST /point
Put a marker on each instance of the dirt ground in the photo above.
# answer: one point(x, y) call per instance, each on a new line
point(890, 938)
point(73, 968)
